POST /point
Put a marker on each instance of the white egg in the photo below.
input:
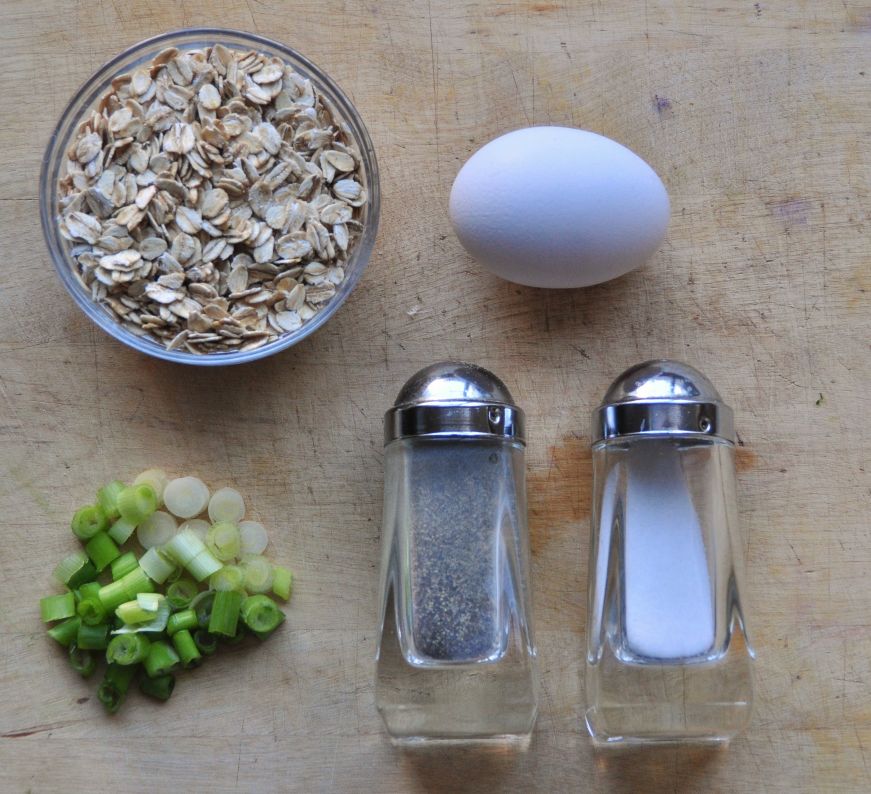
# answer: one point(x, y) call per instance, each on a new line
point(558, 207)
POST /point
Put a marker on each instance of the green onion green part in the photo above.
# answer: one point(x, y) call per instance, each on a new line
point(261, 615)
point(157, 565)
point(181, 621)
point(161, 659)
point(225, 613)
point(57, 607)
point(137, 502)
point(206, 643)
point(121, 531)
point(202, 605)
point(223, 541)
point(156, 621)
point(114, 686)
point(69, 567)
point(83, 662)
point(88, 590)
point(88, 521)
point(91, 610)
point(127, 649)
point(132, 612)
point(159, 688)
point(125, 589)
point(187, 649)
point(93, 638)
point(230, 577)
point(107, 498)
point(282, 582)
point(180, 593)
point(123, 565)
point(65, 633)
point(102, 550)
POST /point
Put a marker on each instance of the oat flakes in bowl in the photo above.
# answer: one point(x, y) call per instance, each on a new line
point(210, 197)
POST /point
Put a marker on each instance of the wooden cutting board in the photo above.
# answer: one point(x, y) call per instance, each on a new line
point(757, 116)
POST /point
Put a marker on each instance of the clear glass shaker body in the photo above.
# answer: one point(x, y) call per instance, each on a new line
point(455, 658)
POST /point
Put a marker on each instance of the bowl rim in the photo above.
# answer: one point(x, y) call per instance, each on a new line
point(83, 101)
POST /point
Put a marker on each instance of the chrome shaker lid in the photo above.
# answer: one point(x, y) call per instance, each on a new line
point(662, 397)
point(453, 399)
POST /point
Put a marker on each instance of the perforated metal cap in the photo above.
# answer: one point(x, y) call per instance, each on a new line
point(662, 396)
point(454, 399)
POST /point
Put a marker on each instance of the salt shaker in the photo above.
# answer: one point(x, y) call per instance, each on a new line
point(455, 658)
point(668, 655)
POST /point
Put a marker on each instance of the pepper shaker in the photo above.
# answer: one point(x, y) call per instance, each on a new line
point(668, 656)
point(455, 658)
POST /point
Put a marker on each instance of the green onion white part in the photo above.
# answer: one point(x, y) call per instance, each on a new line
point(186, 497)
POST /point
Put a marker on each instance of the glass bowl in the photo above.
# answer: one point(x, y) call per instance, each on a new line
point(89, 95)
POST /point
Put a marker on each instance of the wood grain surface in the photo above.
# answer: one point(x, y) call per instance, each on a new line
point(758, 118)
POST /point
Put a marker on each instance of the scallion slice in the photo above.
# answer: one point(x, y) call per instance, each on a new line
point(137, 502)
point(65, 633)
point(258, 573)
point(198, 526)
point(125, 589)
point(206, 643)
point(254, 537)
point(181, 621)
point(230, 577)
point(227, 504)
point(157, 565)
point(127, 649)
point(107, 498)
point(69, 567)
point(122, 565)
point(225, 613)
point(161, 659)
point(186, 497)
point(88, 521)
point(223, 541)
point(188, 550)
point(282, 582)
point(156, 478)
point(102, 550)
point(82, 661)
point(150, 601)
point(91, 610)
point(261, 615)
point(202, 605)
point(180, 593)
point(187, 649)
point(88, 590)
point(113, 688)
point(93, 638)
point(121, 531)
point(156, 530)
point(157, 622)
point(204, 565)
point(159, 688)
point(57, 607)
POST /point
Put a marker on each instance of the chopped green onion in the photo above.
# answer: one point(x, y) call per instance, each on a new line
point(65, 633)
point(159, 688)
point(114, 686)
point(93, 638)
point(150, 601)
point(128, 649)
point(282, 582)
point(254, 537)
point(137, 502)
point(88, 521)
point(230, 577)
point(161, 659)
point(206, 643)
point(123, 565)
point(156, 478)
point(91, 610)
point(125, 589)
point(203, 565)
point(85, 575)
point(202, 605)
point(188, 550)
point(225, 613)
point(156, 564)
point(132, 612)
point(102, 550)
point(121, 531)
point(82, 661)
point(88, 590)
point(198, 526)
point(156, 530)
point(223, 541)
point(258, 573)
point(156, 622)
point(57, 607)
point(187, 649)
point(180, 593)
point(181, 621)
point(227, 504)
point(261, 615)
point(186, 497)
point(69, 567)
point(107, 498)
